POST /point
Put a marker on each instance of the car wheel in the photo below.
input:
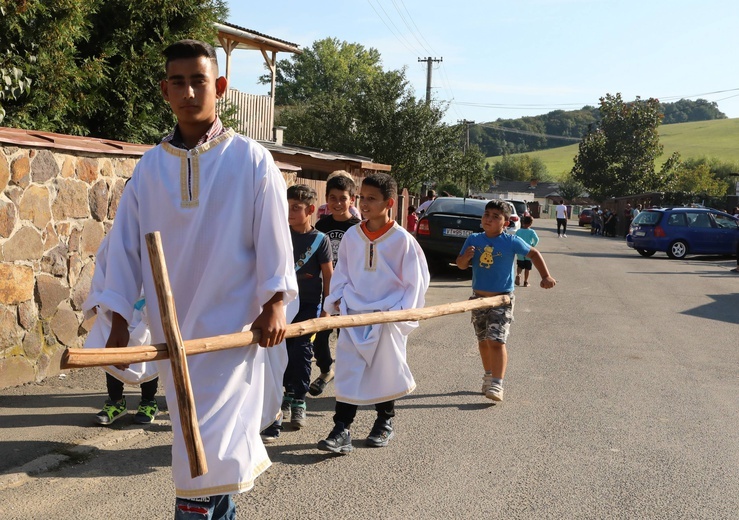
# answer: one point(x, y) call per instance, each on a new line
point(646, 252)
point(677, 250)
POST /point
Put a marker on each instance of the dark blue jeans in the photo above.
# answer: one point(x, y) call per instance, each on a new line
point(323, 351)
point(300, 355)
point(216, 507)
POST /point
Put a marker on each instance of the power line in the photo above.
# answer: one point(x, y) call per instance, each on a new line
point(526, 132)
point(404, 43)
point(555, 106)
point(397, 34)
point(402, 17)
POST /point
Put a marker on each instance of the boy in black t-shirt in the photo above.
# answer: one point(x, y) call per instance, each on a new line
point(313, 267)
point(340, 192)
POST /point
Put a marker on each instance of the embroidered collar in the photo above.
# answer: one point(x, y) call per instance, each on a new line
point(374, 235)
point(175, 137)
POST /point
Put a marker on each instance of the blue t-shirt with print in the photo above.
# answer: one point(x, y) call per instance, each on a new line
point(494, 260)
point(529, 236)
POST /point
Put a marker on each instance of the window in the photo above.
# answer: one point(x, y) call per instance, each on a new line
point(676, 219)
point(699, 220)
point(725, 222)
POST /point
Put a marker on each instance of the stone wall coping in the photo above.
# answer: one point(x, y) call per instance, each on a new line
point(37, 139)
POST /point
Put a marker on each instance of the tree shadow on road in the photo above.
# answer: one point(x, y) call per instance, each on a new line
point(723, 308)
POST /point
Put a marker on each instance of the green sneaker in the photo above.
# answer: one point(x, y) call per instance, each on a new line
point(111, 411)
point(287, 402)
point(297, 414)
point(147, 411)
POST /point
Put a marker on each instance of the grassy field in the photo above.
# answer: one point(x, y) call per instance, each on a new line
point(718, 138)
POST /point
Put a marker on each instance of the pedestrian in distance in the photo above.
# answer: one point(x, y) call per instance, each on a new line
point(412, 219)
point(218, 201)
point(561, 212)
point(492, 254)
point(381, 267)
point(523, 264)
point(341, 191)
point(313, 268)
point(430, 197)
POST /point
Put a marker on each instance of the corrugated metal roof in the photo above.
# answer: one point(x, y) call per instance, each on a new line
point(247, 37)
point(259, 34)
point(36, 139)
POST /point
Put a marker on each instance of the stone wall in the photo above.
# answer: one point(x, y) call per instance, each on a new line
point(55, 208)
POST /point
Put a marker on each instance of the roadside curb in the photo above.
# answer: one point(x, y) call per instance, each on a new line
point(51, 461)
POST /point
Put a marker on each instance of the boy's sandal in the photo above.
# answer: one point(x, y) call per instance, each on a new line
point(317, 387)
point(526, 284)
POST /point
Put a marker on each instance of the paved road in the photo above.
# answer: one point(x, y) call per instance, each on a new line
point(622, 401)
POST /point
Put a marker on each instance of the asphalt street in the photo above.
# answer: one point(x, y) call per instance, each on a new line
point(622, 401)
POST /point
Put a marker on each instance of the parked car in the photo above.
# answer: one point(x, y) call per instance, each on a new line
point(522, 209)
point(586, 217)
point(682, 231)
point(446, 224)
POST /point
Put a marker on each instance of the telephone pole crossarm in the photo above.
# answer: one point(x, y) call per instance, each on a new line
point(429, 62)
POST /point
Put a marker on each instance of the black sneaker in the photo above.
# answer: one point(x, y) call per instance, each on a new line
point(381, 433)
point(338, 441)
point(272, 432)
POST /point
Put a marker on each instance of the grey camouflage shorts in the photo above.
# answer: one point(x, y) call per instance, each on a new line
point(493, 323)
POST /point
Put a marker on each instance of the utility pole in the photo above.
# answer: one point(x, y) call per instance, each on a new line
point(466, 146)
point(466, 122)
point(429, 61)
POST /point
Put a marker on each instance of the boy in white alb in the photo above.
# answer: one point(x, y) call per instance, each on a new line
point(218, 201)
point(381, 268)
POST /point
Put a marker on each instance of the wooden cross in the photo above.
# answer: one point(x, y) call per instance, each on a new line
point(177, 350)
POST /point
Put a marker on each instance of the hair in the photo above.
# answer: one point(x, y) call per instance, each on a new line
point(302, 193)
point(384, 182)
point(527, 220)
point(411, 209)
point(431, 194)
point(185, 49)
point(342, 181)
point(500, 205)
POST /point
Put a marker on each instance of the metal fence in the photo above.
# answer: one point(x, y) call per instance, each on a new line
point(252, 112)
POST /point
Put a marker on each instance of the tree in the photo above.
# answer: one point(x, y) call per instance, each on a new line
point(520, 168)
point(98, 62)
point(337, 96)
point(571, 189)
point(617, 158)
point(691, 178)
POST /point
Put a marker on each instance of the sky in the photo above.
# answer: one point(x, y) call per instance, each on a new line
point(514, 58)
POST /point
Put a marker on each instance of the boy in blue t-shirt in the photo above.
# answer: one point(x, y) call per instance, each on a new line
point(529, 236)
point(313, 268)
point(492, 255)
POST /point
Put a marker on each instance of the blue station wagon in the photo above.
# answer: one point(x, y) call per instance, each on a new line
point(682, 231)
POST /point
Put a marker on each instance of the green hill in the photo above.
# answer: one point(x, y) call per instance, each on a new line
point(717, 138)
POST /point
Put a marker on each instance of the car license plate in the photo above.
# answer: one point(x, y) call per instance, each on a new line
point(451, 232)
point(640, 233)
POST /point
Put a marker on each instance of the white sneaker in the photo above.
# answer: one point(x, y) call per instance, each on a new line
point(564, 236)
point(495, 392)
point(487, 380)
